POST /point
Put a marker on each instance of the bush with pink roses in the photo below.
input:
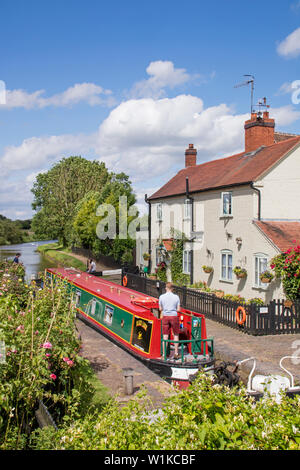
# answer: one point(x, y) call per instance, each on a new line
point(41, 362)
point(287, 267)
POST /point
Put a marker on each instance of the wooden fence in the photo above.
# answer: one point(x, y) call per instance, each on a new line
point(272, 319)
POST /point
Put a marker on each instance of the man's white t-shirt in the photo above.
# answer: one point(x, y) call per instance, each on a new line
point(169, 304)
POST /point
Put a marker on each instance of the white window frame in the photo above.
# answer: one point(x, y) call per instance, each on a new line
point(187, 261)
point(230, 213)
point(187, 209)
point(159, 212)
point(257, 269)
point(227, 278)
point(142, 261)
point(158, 256)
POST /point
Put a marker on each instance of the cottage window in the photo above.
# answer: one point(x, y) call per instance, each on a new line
point(159, 211)
point(260, 265)
point(226, 209)
point(187, 261)
point(187, 209)
point(159, 257)
point(226, 265)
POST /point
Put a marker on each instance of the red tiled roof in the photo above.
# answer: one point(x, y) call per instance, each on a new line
point(238, 169)
point(282, 234)
point(280, 136)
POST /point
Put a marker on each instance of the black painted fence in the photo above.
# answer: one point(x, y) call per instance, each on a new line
point(272, 319)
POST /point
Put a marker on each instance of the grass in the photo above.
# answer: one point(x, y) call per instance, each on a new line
point(56, 251)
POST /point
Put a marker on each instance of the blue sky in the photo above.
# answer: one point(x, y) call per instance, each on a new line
point(133, 83)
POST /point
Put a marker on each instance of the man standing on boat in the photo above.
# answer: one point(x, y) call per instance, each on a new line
point(169, 305)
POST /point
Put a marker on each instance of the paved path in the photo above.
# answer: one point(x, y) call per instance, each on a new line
point(231, 345)
point(108, 360)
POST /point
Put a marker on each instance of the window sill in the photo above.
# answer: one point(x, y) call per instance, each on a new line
point(227, 281)
point(261, 288)
point(223, 216)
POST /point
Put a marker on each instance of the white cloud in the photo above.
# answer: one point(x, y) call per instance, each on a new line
point(35, 152)
point(81, 92)
point(290, 46)
point(285, 115)
point(162, 74)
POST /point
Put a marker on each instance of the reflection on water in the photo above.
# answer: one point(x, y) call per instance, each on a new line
point(33, 261)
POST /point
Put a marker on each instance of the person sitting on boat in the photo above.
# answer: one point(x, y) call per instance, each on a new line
point(169, 305)
point(92, 266)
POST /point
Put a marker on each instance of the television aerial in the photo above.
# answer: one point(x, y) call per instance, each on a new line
point(250, 81)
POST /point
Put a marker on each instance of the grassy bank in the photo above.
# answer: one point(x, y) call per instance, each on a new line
point(62, 255)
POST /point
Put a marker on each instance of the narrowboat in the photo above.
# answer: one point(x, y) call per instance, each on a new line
point(131, 320)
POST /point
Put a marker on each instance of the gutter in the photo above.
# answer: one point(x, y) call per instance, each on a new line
point(191, 199)
point(149, 231)
point(259, 200)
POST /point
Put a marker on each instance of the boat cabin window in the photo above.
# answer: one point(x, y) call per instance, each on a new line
point(108, 314)
point(93, 307)
point(77, 298)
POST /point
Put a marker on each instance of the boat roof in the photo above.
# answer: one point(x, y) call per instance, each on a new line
point(110, 291)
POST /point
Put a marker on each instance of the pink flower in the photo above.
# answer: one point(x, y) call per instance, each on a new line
point(66, 359)
point(47, 345)
point(20, 328)
point(53, 376)
point(48, 354)
point(70, 363)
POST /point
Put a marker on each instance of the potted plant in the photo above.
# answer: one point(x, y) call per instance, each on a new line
point(152, 276)
point(219, 293)
point(266, 277)
point(207, 269)
point(146, 256)
point(240, 272)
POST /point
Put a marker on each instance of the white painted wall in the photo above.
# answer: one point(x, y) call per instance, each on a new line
point(280, 189)
point(216, 233)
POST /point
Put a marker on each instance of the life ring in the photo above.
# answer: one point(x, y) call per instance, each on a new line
point(239, 320)
point(145, 302)
point(125, 281)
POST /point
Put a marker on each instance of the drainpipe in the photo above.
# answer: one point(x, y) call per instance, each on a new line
point(259, 200)
point(149, 231)
point(192, 226)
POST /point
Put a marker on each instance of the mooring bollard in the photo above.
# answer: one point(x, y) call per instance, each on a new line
point(128, 378)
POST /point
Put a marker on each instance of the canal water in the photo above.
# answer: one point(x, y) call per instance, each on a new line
point(33, 261)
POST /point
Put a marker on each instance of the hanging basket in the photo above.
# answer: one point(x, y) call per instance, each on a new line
point(266, 280)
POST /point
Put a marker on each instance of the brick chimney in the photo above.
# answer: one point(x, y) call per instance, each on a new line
point(190, 156)
point(259, 130)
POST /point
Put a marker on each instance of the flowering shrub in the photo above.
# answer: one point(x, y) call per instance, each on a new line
point(12, 281)
point(203, 417)
point(287, 267)
point(42, 361)
point(161, 271)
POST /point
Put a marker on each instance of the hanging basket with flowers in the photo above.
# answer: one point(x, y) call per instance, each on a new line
point(266, 277)
point(240, 273)
point(207, 269)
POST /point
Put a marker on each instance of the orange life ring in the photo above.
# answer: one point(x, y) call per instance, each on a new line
point(239, 320)
point(149, 302)
point(125, 281)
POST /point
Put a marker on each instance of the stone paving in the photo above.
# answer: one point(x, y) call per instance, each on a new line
point(108, 360)
point(231, 345)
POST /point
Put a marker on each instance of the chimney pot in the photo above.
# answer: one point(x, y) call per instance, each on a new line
point(259, 130)
point(190, 156)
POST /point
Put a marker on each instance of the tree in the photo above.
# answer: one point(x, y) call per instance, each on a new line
point(91, 213)
point(58, 191)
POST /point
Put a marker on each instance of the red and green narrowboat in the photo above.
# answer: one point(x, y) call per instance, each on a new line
point(131, 320)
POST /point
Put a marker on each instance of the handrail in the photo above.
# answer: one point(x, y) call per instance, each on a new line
point(181, 342)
